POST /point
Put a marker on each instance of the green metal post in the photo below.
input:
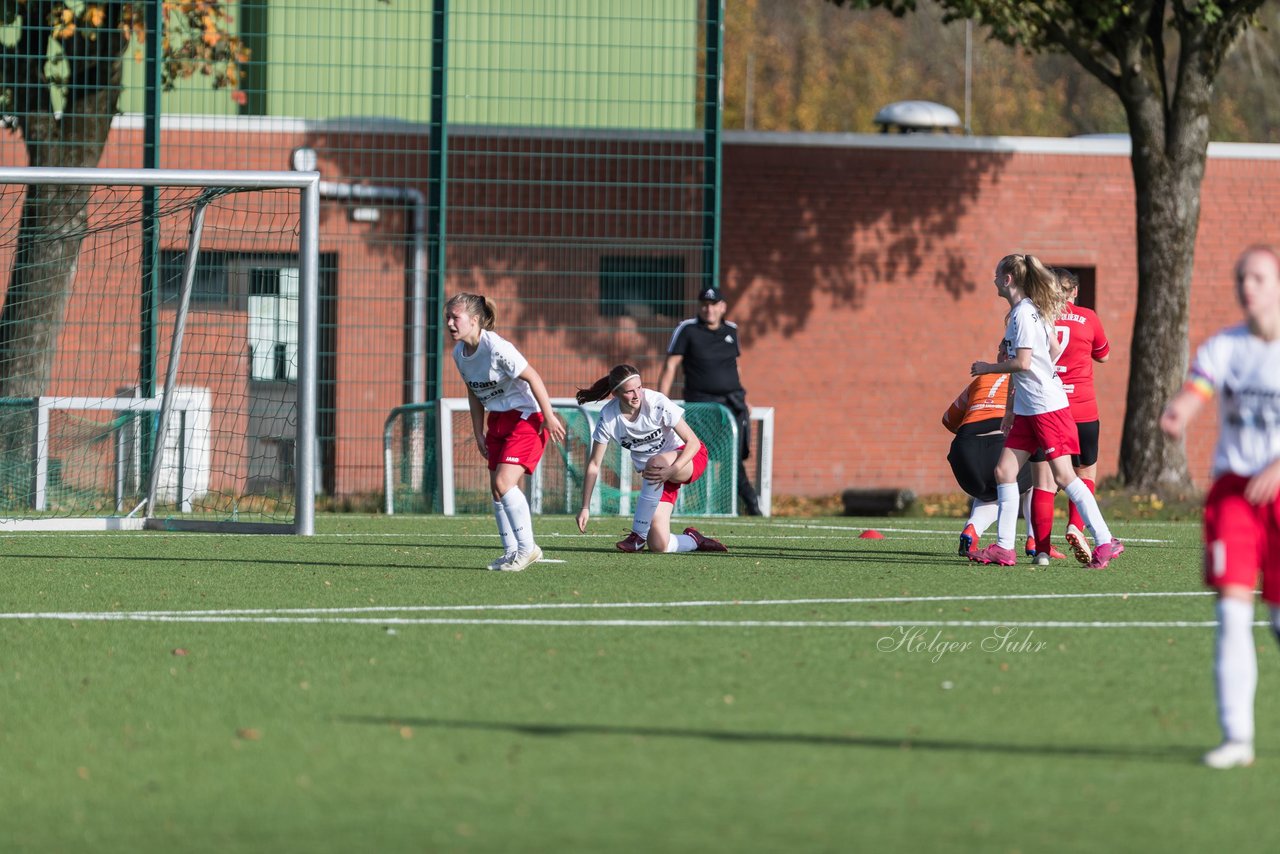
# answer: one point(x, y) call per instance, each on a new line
point(149, 287)
point(712, 116)
point(437, 193)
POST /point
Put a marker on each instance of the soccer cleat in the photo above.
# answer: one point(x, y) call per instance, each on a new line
point(995, 553)
point(1079, 545)
point(705, 544)
point(1055, 554)
point(968, 541)
point(1042, 559)
point(1106, 553)
point(500, 560)
point(1031, 546)
point(1230, 754)
point(522, 559)
point(633, 543)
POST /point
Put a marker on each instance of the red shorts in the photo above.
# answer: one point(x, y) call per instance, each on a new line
point(1052, 432)
point(1241, 539)
point(514, 440)
point(671, 489)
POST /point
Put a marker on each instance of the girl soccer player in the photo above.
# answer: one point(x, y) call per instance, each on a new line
point(664, 449)
point(1242, 510)
point(1083, 342)
point(521, 419)
point(1041, 417)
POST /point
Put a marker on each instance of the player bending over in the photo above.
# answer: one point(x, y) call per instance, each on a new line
point(664, 449)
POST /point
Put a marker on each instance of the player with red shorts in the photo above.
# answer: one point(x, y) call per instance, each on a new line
point(1240, 366)
point(501, 381)
point(1083, 342)
point(1041, 418)
point(664, 451)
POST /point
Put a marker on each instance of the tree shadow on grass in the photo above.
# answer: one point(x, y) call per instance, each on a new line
point(1177, 753)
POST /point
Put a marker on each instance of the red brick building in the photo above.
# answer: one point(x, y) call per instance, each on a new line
point(858, 268)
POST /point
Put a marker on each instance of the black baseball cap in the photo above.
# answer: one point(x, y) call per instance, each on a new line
point(710, 295)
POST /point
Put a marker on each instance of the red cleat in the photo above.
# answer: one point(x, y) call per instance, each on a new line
point(996, 554)
point(705, 544)
point(633, 543)
point(1105, 553)
point(968, 541)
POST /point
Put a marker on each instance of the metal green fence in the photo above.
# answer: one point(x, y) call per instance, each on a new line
point(559, 156)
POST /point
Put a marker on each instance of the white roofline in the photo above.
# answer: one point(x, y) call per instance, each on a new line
point(1106, 147)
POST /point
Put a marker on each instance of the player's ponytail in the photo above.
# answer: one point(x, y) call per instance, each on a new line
point(608, 384)
point(1038, 283)
point(477, 306)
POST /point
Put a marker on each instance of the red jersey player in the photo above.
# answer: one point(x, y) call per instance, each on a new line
point(1241, 367)
point(1083, 342)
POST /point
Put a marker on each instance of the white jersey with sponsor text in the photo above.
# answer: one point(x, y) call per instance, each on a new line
point(1038, 390)
point(651, 432)
point(1244, 373)
point(492, 373)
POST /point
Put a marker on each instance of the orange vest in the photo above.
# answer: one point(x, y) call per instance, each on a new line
point(985, 397)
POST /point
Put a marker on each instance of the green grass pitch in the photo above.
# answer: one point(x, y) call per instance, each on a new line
point(372, 688)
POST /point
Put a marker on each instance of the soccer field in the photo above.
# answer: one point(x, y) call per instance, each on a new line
point(373, 689)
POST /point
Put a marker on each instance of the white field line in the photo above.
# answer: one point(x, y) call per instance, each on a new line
point(695, 603)
point(718, 624)
point(343, 615)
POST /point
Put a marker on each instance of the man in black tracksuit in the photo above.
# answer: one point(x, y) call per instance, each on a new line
point(707, 347)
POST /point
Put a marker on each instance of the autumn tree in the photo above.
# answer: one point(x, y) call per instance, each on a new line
point(1161, 59)
point(60, 84)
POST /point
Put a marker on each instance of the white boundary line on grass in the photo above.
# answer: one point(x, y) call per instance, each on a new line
point(747, 624)
point(692, 603)
point(342, 615)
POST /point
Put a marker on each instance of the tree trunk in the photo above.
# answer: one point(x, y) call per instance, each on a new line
point(53, 217)
point(1169, 152)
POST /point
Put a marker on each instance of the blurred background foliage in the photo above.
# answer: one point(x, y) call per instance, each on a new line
point(806, 65)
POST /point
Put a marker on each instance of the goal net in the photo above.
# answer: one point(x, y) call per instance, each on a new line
point(158, 349)
point(431, 464)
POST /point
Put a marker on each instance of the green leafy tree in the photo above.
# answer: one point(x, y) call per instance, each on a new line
point(1161, 59)
point(61, 66)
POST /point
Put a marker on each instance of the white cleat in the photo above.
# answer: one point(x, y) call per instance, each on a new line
point(1230, 754)
point(497, 563)
point(522, 559)
point(1079, 545)
point(1042, 559)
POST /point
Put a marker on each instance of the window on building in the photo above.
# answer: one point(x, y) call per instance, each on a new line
point(211, 286)
point(642, 286)
point(273, 323)
point(1088, 284)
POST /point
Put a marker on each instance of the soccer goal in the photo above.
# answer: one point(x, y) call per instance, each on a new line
point(431, 465)
point(158, 350)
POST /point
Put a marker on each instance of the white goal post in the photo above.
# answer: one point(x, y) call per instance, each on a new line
point(98, 444)
point(426, 445)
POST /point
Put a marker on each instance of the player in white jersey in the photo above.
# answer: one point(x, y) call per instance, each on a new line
point(664, 450)
point(1241, 367)
point(499, 380)
point(1041, 418)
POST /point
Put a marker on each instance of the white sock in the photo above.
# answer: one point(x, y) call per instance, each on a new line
point(1088, 507)
point(1007, 525)
point(1235, 669)
point(1026, 512)
point(517, 507)
point(646, 504)
point(504, 529)
point(681, 543)
point(982, 514)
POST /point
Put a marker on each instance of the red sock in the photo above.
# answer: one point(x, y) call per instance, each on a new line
point(1075, 518)
point(1042, 517)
